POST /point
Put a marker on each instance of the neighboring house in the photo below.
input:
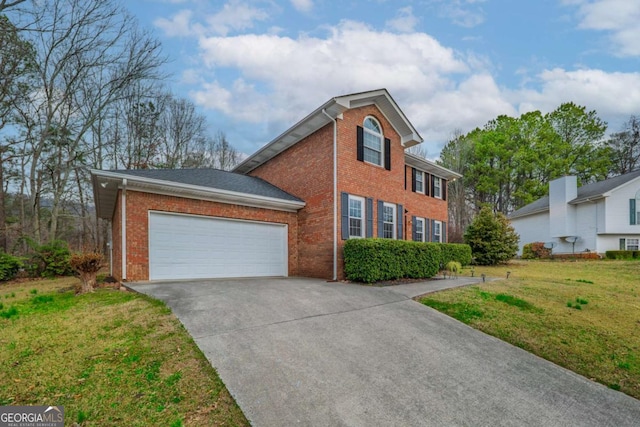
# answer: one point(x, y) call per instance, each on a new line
point(341, 172)
point(596, 217)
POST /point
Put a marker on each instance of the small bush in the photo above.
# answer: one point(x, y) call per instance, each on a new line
point(535, 250)
point(492, 238)
point(621, 254)
point(50, 260)
point(455, 252)
point(373, 260)
point(87, 266)
point(9, 266)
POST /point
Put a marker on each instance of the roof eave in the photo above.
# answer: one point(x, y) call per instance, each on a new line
point(431, 167)
point(115, 181)
point(515, 215)
point(409, 136)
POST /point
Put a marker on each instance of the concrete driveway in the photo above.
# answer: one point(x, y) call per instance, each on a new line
point(306, 352)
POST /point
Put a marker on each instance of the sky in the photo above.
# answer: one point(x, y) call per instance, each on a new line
point(256, 67)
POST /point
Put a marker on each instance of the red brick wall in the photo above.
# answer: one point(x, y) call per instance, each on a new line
point(139, 204)
point(306, 171)
point(368, 180)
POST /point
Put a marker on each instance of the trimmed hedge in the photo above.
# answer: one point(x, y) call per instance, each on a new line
point(373, 260)
point(622, 254)
point(459, 252)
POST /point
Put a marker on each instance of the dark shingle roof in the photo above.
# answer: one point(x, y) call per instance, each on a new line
point(586, 192)
point(214, 178)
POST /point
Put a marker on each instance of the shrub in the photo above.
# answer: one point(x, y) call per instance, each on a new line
point(453, 268)
point(535, 250)
point(9, 266)
point(492, 238)
point(50, 259)
point(621, 254)
point(87, 266)
point(373, 260)
point(455, 252)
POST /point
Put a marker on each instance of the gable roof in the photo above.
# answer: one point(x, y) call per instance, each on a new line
point(208, 184)
point(586, 193)
point(328, 112)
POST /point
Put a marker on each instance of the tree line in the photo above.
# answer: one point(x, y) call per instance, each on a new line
point(509, 162)
point(82, 86)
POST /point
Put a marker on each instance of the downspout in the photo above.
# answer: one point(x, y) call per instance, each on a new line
point(110, 244)
point(123, 226)
point(335, 194)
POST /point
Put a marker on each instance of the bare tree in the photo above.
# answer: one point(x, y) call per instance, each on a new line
point(89, 52)
point(625, 147)
point(16, 65)
point(4, 4)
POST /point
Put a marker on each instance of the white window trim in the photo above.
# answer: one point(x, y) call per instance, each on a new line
point(421, 174)
point(437, 180)
point(380, 135)
point(421, 221)
point(362, 219)
point(394, 217)
point(626, 243)
point(438, 237)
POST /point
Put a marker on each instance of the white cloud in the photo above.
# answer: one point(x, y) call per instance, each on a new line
point(618, 17)
point(465, 13)
point(404, 22)
point(178, 26)
point(302, 5)
point(281, 79)
point(234, 15)
point(612, 95)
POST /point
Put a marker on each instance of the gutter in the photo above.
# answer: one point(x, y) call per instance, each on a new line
point(123, 219)
point(224, 196)
point(335, 194)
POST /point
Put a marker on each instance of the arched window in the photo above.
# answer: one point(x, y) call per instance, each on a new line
point(372, 141)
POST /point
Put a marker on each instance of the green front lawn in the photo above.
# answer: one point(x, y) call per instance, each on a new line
point(110, 358)
point(583, 315)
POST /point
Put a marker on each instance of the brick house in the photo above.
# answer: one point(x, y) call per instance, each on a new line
point(341, 172)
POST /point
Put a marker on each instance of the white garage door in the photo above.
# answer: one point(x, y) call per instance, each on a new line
point(195, 247)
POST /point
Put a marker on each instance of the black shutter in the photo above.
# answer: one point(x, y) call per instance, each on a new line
point(433, 186)
point(427, 230)
point(369, 214)
point(360, 144)
point(387, 154)
point(426, 184)
point(405, 177)
point(443, 184)
point(433, 230)
point(344, 201)
point(380, 218)
point(400, 222)
point(632, 212)
point(413, 179)
point(444, 232)
point(414, 237)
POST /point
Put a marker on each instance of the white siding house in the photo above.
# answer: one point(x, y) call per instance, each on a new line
point(598, 217)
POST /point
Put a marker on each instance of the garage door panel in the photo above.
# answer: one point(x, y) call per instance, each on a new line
point(185, 247)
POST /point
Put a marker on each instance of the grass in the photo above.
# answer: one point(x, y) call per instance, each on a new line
point(583, 315)
point(110, 358)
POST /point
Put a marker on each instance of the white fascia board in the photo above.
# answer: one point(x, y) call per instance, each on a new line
point(429, 166)
point(297, 132)
point(157, 186)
